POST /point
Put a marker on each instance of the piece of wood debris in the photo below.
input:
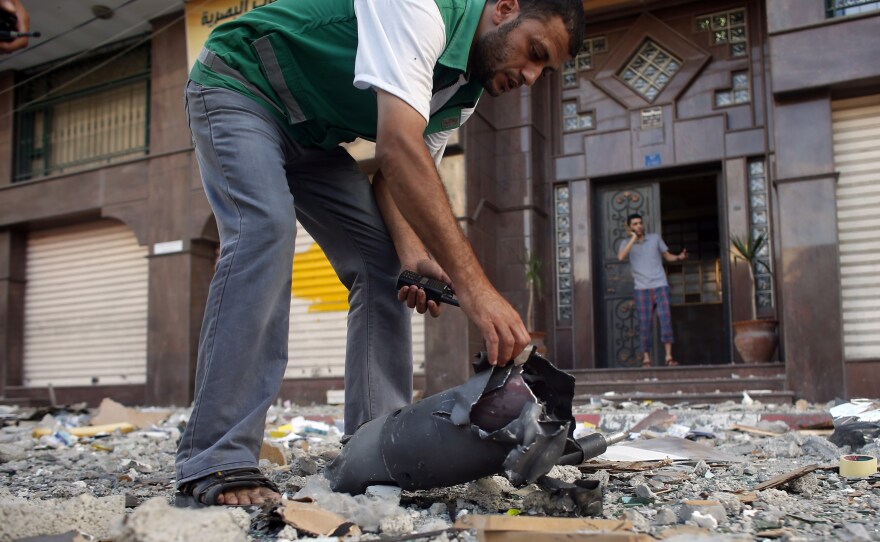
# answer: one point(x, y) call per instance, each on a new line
point(684, 531)
point(754, 430)
point(497, 528)
point(87, 431)
point(774, 533)
point(627, 466)
point(747, 498)
point(784, 478)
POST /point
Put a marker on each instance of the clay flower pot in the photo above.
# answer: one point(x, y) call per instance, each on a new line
point(756, 340)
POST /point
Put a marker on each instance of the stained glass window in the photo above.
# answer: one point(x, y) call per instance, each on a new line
point(760, 218)
point(564, 290)
point(572, 121)
point(727, 28)
point(738, 94)
point(583, 61)
point(649, 70)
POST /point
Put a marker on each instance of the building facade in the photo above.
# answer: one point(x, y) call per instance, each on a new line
point(712, 119)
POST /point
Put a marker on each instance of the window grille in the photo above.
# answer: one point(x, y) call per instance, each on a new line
point(84, 114)
point(842, 8)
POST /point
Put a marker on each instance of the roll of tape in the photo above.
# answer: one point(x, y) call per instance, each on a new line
point(857, 466)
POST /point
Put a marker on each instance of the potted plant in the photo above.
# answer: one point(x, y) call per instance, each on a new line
point(756, 339)
point(532, 266)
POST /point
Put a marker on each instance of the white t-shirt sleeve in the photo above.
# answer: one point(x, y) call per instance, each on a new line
point(436, 142)
point(399, 42)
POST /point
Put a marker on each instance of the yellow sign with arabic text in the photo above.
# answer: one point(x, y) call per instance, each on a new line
point(203, 16)
point(313, 277)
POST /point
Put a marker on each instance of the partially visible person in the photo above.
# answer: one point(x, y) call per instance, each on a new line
point(270, 98)
point(646, 253)
point(16, 8)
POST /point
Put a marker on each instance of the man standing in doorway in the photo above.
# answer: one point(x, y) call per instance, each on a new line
point(269, 100)
point(646, 253)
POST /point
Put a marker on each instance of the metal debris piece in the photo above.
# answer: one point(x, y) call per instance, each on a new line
point(512, 419)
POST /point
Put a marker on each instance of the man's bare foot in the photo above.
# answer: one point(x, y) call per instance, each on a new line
point(670, 361)
point(646, 363)
point(247, 496)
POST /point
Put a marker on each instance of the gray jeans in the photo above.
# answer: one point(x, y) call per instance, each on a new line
point(258, 182)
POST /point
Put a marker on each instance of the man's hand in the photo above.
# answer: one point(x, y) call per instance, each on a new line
point(415, 297)
point(17, 8)
point(503, 331)
point(684, 255)
point(418, 194)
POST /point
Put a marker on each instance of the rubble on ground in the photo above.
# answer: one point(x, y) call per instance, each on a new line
point(741, 471)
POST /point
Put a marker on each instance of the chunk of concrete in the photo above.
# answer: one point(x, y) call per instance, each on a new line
point(20, 518)
point(157, 521)
point(712, 509)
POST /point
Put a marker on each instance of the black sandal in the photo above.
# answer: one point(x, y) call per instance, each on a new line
point(205, 491)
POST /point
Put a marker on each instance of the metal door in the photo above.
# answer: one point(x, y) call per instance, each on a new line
point(619, 326)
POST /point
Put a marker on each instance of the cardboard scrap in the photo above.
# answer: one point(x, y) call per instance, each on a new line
point(109, 411)
point(305, 515)
point(684, 531)
point(499, 528)
point(273, 453)
point(674, 447)
point(87, 431)
point(628, 453)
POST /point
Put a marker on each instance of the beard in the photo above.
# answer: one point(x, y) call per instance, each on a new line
point(490, 52)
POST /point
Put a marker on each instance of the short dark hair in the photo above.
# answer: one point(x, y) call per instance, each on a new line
point(632, 217)
point(571, 12)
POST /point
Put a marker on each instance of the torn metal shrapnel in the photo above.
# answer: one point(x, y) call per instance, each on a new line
point(514, 420)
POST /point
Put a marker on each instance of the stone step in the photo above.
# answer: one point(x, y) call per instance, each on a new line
point(684, 385)
point(766, 397)
point(727, 370)
point(24, 401)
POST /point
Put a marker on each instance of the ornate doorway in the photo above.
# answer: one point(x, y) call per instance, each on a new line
point(618, 326)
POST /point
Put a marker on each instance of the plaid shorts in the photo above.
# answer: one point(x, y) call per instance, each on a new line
point(646, 302)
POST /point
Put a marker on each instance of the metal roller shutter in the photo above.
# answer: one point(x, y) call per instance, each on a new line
point(856, 125)
point(318, 311)
point(85, 306)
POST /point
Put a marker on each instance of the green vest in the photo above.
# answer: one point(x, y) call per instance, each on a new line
point(296, 58)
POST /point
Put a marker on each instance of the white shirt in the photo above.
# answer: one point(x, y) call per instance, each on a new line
point(399, 42)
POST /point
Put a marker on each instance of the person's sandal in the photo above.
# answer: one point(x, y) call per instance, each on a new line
point(205, 491)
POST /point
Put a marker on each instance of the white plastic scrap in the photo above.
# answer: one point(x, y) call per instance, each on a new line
point(866, 410)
